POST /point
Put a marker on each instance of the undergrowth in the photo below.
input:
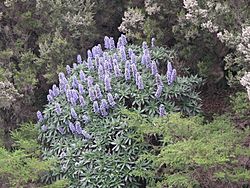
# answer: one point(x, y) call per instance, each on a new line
point(183, 148)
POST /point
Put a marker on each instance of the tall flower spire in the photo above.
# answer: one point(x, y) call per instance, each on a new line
point(162, 111)
point(79, 59)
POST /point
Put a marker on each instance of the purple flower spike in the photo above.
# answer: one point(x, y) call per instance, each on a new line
point(153, 42)
point(169, 73)
point(68, 95)
point(106, 65)
point(82, 76)
point(73, 113)
point(148, 58)
point(94, 51)
point(115, 57)
point(115, 63)
point(85, 118)
point(96, 107)
point(100, 72)
point(98, 92)
point(49, 98)
point(82, 101)
point(73, 101)
point(100, 52)
point(79, 59)
point(104, 107)
point(90, 81)
point(99, 47)
point(173, 76)
point(62, 82)
point(127, 74)
point(119, 43)
point(105, 103)
point(144, 46)
point(158, 80)
point(103, 111)
point(90, 63)
point(169, 67)
point(39, 116)
point(127, 64)
point(154, 69)
point(123, 53)
point(63, 86)
point(72, 127)
point(110, 66)
point(130, 52)
point(105, 56)
point(74, 65)
point(169, 80)
point(81, 89)
point(78, 127)
point(139, 81)
point(107, 83)
point(68, 69)
point(106, 42)
point(124, 39)
point(112, 43)
point(74, 82)
point(51, 93)
point(133, 58)
point(61, 76)
point(86, 135)
point(158, 91)
point(117, 71)
point(44, 128)
point(55, 90)
point(111, 100)
point(97, 62)
point(61, 130)
point(54, 87)
point(92, 94)
point(162, 111)
point(74, 97)
point(144, 59)
point(134, 70)
point(58, 109)
point(89, 54)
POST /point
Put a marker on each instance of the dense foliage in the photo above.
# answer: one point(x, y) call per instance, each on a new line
point(38, 39)
point(23, 166)
point(100, 124)
point(185, 152)
point(83, 115)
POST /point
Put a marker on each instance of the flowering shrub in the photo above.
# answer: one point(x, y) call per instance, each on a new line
point(132, 23)
point(83, 125)
point(8, 94)
point(227, 20)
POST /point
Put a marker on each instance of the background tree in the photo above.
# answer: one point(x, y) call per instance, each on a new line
point(210, 37)
point(38, 38)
